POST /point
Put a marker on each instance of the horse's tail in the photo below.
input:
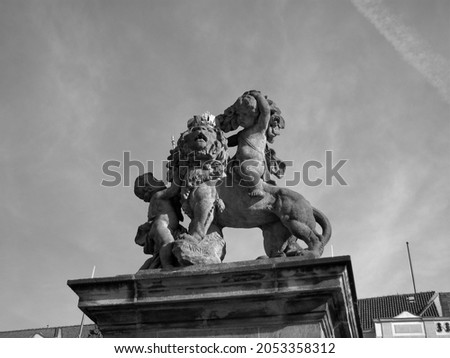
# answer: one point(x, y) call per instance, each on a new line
point(324, 223)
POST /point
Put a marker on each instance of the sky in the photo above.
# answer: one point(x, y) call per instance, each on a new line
point(83, 82)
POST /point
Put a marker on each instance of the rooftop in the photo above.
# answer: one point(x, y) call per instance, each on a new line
point(419, 304)
point(89, 330)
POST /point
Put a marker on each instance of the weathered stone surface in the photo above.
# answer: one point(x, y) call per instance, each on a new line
point(216, 191)
point(281, 297)
point(210, 250)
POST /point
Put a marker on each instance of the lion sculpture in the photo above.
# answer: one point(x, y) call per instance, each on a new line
point(210, 193)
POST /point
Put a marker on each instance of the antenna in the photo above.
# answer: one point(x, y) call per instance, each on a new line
point(82, 317)
point(411, 268)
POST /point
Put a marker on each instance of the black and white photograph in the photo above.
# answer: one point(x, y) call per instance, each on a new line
point(202, 169)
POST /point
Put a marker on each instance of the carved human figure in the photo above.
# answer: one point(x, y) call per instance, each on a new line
point(273, 165)
point(276, 123)
point(252, 111)
point(157, 234)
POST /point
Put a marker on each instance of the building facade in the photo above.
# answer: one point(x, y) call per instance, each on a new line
point(407, 325)
point(88, 331)
point(420, 315)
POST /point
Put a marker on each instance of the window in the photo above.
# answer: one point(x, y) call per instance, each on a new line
point(408, 329)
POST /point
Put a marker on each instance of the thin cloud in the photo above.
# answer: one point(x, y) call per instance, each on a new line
point(76, 75)
point(414, 50)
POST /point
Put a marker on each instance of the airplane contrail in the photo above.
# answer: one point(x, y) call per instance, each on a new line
point(414, 50)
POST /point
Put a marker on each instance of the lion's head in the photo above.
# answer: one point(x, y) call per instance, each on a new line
point(201, 153)
point(202, 141)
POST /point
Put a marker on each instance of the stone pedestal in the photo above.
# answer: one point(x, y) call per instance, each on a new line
point(282, 297)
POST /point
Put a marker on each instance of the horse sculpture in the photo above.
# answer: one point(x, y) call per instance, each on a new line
point(210, 189)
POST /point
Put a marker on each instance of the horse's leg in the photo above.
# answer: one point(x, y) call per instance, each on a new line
point(306, 234)
point(275, 236)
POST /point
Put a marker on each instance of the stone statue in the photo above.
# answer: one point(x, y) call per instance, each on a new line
point(216, 192)
point(253, 114)
point(157, 234)
point(245, 110)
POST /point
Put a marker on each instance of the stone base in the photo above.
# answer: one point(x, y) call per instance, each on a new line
point(281, 297)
